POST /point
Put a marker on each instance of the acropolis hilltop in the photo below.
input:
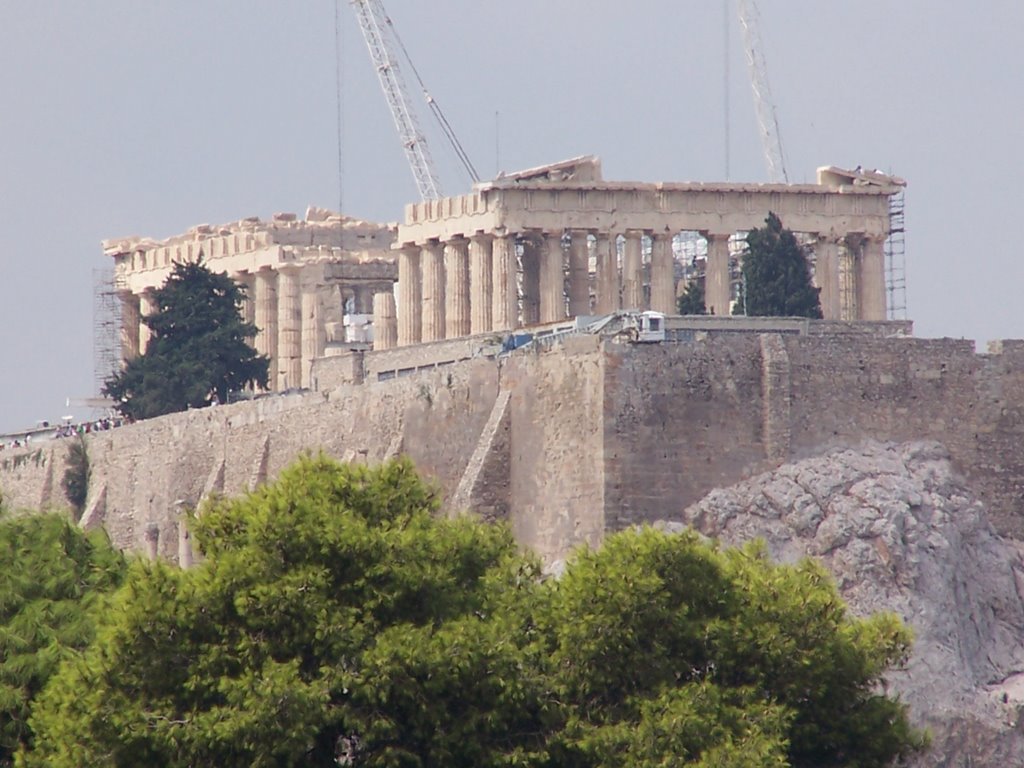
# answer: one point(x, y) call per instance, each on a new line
point(525, 249)
point(521, 345)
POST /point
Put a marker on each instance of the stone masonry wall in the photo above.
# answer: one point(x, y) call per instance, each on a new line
point(144, 474)
point(556, 456)
point(30, 477)
point(684, 419)
point(907, 389)
point(679, 419)
point(572, 441)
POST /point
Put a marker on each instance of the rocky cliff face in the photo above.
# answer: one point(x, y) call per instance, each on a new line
point(901, 532)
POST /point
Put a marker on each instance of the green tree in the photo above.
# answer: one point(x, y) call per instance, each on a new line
point(335, 619)
point(75, 481)
point(198, 349)
point(333, 614)
point(776, 277)
point(668, 649)
point(53, 579)
point(691, 302)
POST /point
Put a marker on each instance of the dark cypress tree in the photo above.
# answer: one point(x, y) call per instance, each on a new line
point(692, 300)
point(199, 348)
point(776, 276)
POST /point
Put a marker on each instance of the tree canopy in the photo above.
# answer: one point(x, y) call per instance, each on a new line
point(776, 277)
point(198, 349)
point(691, 302)
point(53, 578)
point(335, 619)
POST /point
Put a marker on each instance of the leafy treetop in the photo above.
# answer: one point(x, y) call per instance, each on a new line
point(53, 579)
point(335, 620)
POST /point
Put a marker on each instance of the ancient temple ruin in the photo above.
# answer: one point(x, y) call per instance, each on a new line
point(559, 241)
point(526, 249)
point(303, 279)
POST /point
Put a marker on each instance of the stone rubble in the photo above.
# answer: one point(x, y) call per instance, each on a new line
point(901, 532)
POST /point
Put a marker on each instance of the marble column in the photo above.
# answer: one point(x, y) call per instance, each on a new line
point(503, 260)
point(607, 274)
point(633, 271)
point(481, 283)
point(826, 277)
point(552, 278)
point(289, 328)
point(717, 280)
point(385, 326)
point(432, 266)
point(265, 317)
point(130, 322)
point(410, 293)
point(871, 298)
point(579, 273)
point(531, 280)
point(363, 299)
point(663, 277)
point(147, 305)
point(314, 338)
point(457, 300)
point(247, 281)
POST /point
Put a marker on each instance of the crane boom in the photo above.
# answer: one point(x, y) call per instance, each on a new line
point(771, 141)
point(372, 21)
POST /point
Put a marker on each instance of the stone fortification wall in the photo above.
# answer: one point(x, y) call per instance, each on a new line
point(30, 477)
point(143, 475)
point(906, 389)
point(684, 419)
point(570, 441)
point(680, 419)
point(557, 446)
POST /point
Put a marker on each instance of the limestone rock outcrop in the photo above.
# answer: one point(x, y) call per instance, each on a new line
point(900, 531)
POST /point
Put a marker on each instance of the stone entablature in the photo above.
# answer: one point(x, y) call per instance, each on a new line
point(558, 241)
point(301, 277)
point(648, 207)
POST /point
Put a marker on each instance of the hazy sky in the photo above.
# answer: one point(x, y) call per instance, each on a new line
point(122, 117)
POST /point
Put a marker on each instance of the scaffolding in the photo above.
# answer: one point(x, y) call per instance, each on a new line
point(895, 253)
point(106, 336)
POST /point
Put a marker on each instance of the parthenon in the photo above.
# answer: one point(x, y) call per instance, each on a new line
point(525, 249)
point(558, 241)
point(302, 278)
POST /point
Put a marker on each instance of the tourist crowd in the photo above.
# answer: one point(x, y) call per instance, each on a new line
point(64, 430)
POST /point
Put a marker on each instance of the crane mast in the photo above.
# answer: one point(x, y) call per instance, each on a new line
point(372, 21)
point(771, 142)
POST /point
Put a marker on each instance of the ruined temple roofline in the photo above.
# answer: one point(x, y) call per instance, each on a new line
point(584, 173)
point(316, 219)
point(690, 186)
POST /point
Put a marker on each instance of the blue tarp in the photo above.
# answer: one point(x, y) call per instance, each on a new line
point(515, 341)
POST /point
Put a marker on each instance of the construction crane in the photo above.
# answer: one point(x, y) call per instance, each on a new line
point(376, 25)
point(771, 141)
point(373, 20)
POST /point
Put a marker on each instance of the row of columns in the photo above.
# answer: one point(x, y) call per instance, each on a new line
point(286, 312)
point(474, 285)
point(850, 271)
point(498, 282)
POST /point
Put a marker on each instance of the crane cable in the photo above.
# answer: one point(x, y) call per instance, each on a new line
point(435, 108)
point(340, 107)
